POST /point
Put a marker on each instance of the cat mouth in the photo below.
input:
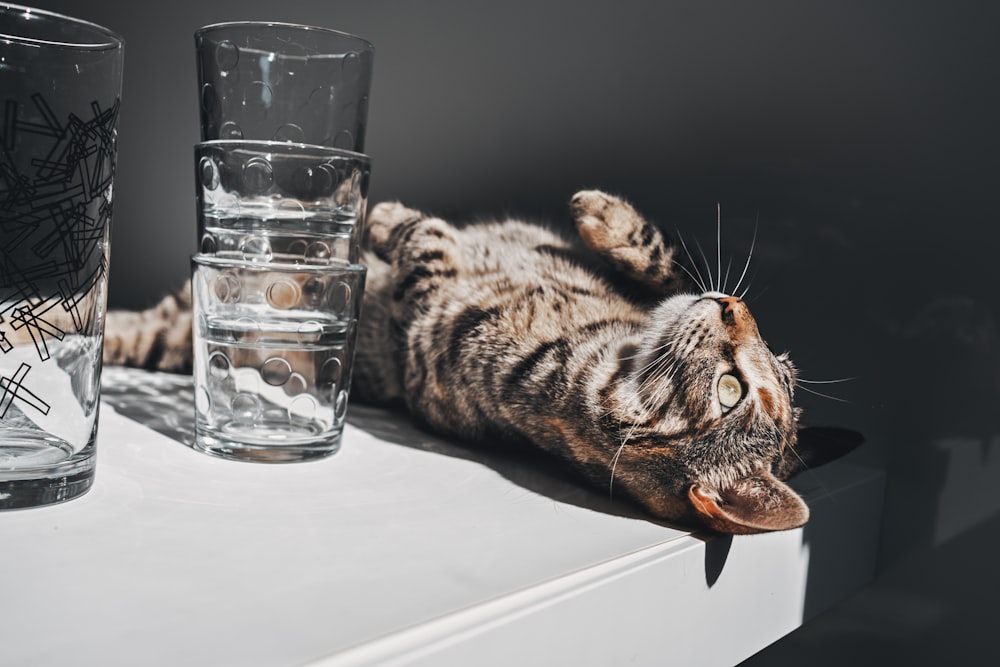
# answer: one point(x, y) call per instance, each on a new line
point(674, 309)
point(681, 306)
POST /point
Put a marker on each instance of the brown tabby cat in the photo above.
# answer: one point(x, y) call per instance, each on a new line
point(502, 332)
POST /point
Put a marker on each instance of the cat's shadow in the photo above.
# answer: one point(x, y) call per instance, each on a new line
point(531, 470)
point(165, 403)
point(527, 468)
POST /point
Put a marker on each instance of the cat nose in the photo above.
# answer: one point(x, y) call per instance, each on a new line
point(736, 315)
point(729, 304)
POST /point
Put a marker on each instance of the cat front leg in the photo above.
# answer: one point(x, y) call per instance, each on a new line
point(614, 230)
point(425, 262)
point(422, 250)
point(386, 223)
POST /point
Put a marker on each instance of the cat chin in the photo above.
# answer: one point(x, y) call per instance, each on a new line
point(670, 311)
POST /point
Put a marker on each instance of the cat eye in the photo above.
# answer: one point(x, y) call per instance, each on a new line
point(730, 391)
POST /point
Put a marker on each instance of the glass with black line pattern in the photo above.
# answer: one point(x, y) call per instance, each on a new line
point(60, 90)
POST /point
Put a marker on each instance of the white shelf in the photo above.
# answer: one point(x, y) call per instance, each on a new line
point(400, 549)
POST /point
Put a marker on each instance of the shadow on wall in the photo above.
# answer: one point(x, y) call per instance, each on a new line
point(943, 368)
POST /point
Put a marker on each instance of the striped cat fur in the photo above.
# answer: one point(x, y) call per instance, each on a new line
point(508, 332)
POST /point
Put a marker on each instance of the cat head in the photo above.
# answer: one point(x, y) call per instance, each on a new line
point(708, 420)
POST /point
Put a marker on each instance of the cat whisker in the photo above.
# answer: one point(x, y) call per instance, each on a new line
point(662, 359)
point(700, 280)
point(650, 398)
point(658, 396)
point(725, 282)
point(684, 269)
point(614, 459)
point(784, 449)
point(662, 366)
point(809, 471)
point(718, 241)
point(753, 243)
point(743, 296)
point(614, 466)
point(708, 267)
point(660, 348)
point(825, 381)
point(817, 393)
point(665, 386)
point(639, 353)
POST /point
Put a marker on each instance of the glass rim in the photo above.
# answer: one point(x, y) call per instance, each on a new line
point(213, 27)
point(113, 40)
point(267, 145)
point(331, 265)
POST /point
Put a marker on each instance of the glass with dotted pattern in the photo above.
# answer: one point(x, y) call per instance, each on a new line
point(273, 354)
point(269, 201)
point(283, 82)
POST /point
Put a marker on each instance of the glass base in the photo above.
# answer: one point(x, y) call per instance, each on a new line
point(36, 470)
point(266, 450)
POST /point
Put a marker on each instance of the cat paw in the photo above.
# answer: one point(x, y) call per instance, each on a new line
point(614, 230)
point(382, 220)
point(604, 221)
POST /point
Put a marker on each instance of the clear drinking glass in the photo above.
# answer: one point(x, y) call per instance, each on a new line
point(282, 202)
point(284, 82)
point(60, 86)
point(273, 354)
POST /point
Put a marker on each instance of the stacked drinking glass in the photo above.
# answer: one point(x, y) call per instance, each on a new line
point(282, 186)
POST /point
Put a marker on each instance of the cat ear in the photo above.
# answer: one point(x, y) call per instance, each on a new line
point(755, 504)
point(816, 446)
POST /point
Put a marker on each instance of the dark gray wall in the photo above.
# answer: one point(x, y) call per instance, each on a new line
point(863, 135)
